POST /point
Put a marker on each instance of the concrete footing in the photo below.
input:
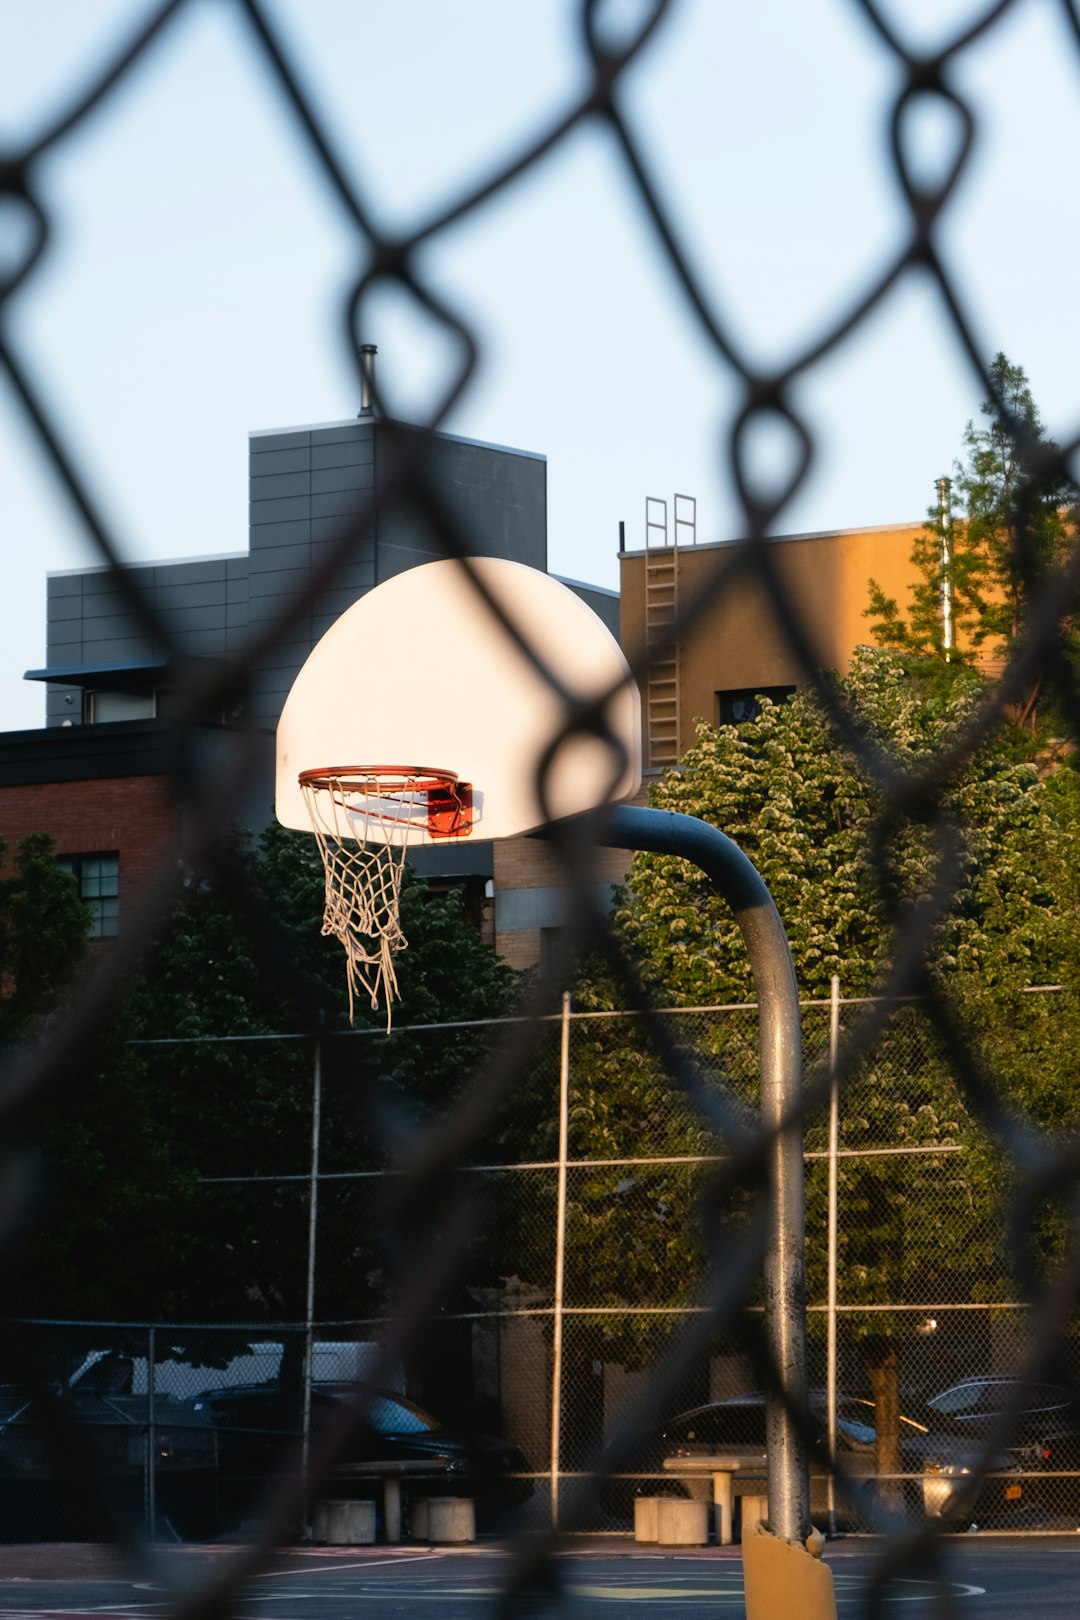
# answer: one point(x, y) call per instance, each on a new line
point(681, 1522)
point(645, 1518)
point(343, 1524)
point(450, 1519)
point(783, 1579)
point(754, 1511)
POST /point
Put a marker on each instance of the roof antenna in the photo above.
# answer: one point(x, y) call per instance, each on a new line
point(368, 351)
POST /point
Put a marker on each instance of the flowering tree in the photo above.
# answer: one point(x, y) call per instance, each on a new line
point(806, 813)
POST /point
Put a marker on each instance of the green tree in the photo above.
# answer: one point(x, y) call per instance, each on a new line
point(43, 931)
point(1011, 519)
point(806, 814)
point(138, 1222)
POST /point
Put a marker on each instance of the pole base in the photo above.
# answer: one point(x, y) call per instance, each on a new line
point(782, 1579)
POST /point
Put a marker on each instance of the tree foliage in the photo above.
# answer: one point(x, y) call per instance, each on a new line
point(1011, 519)
point(805, 812)
point(136, 1220)
point(43, 931)
point(814, 823)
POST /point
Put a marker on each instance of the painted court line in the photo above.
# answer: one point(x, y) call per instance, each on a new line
point(151, 1608)
point(399, 1559)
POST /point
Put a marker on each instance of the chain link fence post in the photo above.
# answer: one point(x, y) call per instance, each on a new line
point(312, 1255)
point(151, 1434)
point(560, 1258)
point(831, 1237)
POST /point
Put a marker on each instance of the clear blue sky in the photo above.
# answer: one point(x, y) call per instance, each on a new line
point(193, 287)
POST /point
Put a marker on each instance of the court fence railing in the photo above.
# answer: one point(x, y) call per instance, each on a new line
point(585, 1269)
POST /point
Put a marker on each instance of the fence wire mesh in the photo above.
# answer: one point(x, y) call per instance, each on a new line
point(199, 1428)
point(938, 1244)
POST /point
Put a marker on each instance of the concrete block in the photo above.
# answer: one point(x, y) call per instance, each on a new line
point(681, 1522)
point(645, 1528)
point(451, 1519)
point(419, 1517)
point(344, 1524)
point(755, 1511)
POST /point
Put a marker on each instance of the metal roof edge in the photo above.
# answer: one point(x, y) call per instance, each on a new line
point(436, 433)
point(777, 539)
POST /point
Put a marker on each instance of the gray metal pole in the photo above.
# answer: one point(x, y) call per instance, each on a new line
point(560, 1260)
point(151, 1434)
point(313, 1231)
point(834, 1148)
point(780, 1039)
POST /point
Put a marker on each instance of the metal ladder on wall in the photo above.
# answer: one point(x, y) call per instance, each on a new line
point(662, 732)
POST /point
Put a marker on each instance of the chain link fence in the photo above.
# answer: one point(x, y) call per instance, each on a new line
point(927, 1240)
point(562, 1305)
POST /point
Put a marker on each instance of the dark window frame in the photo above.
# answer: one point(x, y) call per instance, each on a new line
point(740, 704)
point(97, 872)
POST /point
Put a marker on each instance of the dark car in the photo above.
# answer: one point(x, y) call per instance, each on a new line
point(259, 1430)
point(734, 1430)
point(1041, 1423)
point(87, 1449)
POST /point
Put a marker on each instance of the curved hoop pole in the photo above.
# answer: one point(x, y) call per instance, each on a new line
point(662, 832)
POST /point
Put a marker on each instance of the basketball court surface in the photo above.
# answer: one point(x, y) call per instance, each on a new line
point(995, 1578)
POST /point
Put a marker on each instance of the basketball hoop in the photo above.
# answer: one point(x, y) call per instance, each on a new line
point(364, 817)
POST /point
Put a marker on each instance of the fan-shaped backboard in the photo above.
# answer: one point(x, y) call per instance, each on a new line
point(420, 672)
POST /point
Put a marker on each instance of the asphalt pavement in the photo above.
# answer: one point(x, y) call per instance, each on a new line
point(978, 1578)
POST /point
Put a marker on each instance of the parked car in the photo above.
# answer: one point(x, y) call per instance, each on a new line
point(735, 1429)
point(259, 1434)
point(49, 1494)
point(1043, 1437)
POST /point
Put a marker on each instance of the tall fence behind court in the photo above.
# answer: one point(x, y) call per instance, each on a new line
point(565, 1303)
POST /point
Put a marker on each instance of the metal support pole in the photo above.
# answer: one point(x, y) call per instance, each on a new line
point(313, 1227)
point(834, 1148)
point(151, 1434)
point(560, 1258)
point(944, 491)
point(779, 1034)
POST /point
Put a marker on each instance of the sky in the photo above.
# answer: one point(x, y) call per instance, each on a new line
point(193, 288)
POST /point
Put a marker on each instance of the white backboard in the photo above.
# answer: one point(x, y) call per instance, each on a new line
point(419, 672)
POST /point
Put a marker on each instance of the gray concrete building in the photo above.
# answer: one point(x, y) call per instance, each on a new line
point(306, 484)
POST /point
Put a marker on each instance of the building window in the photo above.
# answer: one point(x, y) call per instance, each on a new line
point(98, 877)
point(103, 706)
point(553, 943)
point(735, 708)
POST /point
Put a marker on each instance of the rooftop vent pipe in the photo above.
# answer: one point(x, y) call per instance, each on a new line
point(368, 351)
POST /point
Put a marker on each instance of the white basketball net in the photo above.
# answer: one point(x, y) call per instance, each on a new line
point(363, 880)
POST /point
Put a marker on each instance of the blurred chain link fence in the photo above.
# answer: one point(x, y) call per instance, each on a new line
point(925, 1237)
point(195, 1424)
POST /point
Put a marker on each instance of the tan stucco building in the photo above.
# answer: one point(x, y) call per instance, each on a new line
point(735, 651)
point(737, 648)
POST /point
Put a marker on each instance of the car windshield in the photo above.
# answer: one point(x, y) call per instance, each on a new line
point(991, 1397)
point(385, 1413)
point(859, 1413)
point(721, 1425)
point(964, 1398)
point(387, 1416)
